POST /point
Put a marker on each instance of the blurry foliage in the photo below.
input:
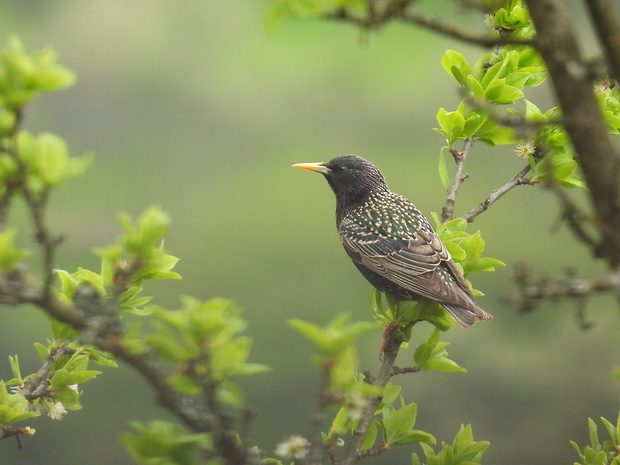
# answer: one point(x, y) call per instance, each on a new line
point(597, 453)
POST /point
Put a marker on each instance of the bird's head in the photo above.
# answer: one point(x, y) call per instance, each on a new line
point(352, 178)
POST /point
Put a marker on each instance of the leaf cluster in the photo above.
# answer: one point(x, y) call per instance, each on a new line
point(487, 113)
point(465, 248)
point(284, 9)
point(335, 342)
point(596, 453)
point(203, 341)
point(23, 76)
point(137, 255)
point(53, 390)
point(164, 442)
point(463, 451)
point(29, 164)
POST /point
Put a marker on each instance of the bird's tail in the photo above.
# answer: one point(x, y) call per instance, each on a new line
point(466, 316)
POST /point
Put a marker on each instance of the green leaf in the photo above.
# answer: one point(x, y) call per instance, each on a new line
point(475, 87)
point(533, 113)
point(337, 335)
point(42, 351)
point(165, 443)
point(593, 433)
point(452, 61)
point(442, 363)
point(559, 165)
point(76, 362)
point(473, 245)
point(473, 122)
point(422, 355)
point(455, 225)
point(612, 430)
point(68, 397)
point(13, 407)
point(452, 125)
point(456, 251)
point(9, 255)
point(481, 264)
point(398, 423)
point(443, 170)
point(382, 315)
point(62, 331)
point(502, 93)
point(417, 436)
point(492, 134)
point(518, 79)
point(63, 377)
point(390, 393)
point(185, 384)
point(248, 369)
point(89, 277)
point(14, 363)
point(371, 436)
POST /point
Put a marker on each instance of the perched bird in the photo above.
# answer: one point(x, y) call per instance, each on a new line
point(391, 242)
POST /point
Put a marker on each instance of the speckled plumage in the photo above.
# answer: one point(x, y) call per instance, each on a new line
point(391, 242)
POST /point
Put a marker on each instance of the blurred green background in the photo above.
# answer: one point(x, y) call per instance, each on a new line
point(193, 106)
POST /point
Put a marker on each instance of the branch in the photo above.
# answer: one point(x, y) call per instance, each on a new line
point(458, 178)
point(517, 180)
point(576, 219)
point(317, 449)
point(354, 452)
point(436, 25)
point(38, 385)
point(8, 431)
point(44, 237)
point(531, 293)
point(569, 73)
point(20, 290)
point(404, 370)
point(400, 10)
point(37, 204)
point(218, 421)
point(607, 26)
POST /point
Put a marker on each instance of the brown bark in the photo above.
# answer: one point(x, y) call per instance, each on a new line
point(570, 75)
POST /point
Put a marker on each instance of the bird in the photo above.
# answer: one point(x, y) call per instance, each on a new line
point(391, 242)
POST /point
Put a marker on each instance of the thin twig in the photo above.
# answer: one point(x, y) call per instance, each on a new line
point(21, 291)
point(373, 452)
point(517, 180)
point(354, 453)
point(404, 370)
point(48, 241)
point(10, 431)
point(599, 160)
point(317, 449)
point(38, 385)
point(401, 11)
point(459, 176)
point(576, 219)
point(608, 30)
point(436, 25)
point(218, 421)
point(531, 292)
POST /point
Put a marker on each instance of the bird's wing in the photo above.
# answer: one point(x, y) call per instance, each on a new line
point(413, 261)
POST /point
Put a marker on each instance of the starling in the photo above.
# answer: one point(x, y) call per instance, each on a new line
point(391, 242)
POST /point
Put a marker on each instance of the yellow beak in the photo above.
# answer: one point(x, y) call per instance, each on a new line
point(319, 167)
